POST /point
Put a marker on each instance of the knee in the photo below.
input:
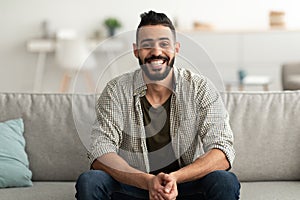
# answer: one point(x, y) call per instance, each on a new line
point(225, 177)
point(91, 179)
point(92, 185)
point(225, 183)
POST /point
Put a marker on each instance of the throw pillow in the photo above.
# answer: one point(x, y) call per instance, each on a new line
point(14, 164)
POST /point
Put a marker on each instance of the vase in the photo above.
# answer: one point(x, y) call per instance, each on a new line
point(242, 74)
point(111, 32)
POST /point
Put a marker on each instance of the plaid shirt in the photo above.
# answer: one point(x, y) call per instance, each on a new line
point(198, 120)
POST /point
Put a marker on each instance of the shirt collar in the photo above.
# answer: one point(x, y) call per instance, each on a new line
point(139, 86)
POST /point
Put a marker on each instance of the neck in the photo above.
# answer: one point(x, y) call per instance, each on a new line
point(159, 91)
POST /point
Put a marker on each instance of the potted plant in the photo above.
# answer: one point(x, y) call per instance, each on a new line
point(112, 24)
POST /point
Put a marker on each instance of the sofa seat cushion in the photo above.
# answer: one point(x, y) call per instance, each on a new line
point(41, 190)
point(283, 190)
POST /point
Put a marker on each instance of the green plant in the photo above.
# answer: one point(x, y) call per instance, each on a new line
point(112, 23)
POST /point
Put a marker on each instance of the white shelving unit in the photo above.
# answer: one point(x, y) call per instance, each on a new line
point(258, 52)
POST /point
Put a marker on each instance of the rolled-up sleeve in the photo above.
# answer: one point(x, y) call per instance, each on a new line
point(215, 130)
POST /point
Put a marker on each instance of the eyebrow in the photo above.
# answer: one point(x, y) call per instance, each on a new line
point(150, 40)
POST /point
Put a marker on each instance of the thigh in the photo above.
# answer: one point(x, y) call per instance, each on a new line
point(217, 183)
point(192, 190)
point(97, 179)
point(129, 192)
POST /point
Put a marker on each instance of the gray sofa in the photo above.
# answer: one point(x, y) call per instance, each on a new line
point(266, 127)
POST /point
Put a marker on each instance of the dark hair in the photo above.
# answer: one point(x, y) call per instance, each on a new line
point(154, 18)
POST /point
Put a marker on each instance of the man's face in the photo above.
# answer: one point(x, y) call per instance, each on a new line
point(156, 50)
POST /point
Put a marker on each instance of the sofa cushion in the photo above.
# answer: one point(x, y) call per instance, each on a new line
point(41, 190)
point(267, 134)
point(14, 171)
point(282, 190)
point(53, 146)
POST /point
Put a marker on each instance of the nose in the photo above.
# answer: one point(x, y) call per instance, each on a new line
point(156, 50)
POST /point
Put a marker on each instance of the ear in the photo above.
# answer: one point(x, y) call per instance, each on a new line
point(135, 50)
point(177, 47)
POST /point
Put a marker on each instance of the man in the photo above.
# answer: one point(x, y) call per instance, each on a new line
point(162, 132)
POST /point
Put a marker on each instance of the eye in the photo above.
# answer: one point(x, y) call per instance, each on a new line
point(146, 45)
point(164, 44)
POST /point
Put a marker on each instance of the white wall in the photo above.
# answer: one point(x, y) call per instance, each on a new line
point(237, 14)
point(20, 21)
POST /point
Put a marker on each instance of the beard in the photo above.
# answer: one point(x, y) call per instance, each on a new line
point(157, 77)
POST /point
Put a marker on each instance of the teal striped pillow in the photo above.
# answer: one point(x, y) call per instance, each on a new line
point(14, 164)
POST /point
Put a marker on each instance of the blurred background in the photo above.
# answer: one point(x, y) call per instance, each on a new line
point(254, 44)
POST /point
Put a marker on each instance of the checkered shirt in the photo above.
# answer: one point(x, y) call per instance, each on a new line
point(199, 121)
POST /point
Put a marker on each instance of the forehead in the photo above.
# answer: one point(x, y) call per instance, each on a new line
point(154, 32)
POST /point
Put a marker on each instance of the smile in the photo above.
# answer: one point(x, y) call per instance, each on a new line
point(157, 62)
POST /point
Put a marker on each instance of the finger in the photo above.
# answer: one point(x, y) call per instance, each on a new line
point(158, 188)
point(156, 184)
point(161, 177)
point(174, 190)
point(168, 196)
point(172, 194)
point(153, 195)
point(160, 197)
point(175, 187)
point(167, 177)
point(159, 181)
point(168, 187)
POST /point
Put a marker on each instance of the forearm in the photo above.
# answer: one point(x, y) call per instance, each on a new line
point(119, 169)
point(211, 161)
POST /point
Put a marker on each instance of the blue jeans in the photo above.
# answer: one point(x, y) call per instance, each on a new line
point(218, 185)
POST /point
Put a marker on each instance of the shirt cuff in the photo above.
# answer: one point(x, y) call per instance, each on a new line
point(99, 151)
point(228, 151)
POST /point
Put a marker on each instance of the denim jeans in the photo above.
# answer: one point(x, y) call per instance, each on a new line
point(218, 185)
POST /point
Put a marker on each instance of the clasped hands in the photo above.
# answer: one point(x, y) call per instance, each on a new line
point(162, 187)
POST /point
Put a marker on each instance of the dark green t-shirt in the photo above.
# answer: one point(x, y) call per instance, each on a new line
point(157, 127)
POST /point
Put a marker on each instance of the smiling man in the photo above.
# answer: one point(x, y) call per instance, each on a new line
point(151, 38)
point(161, 132)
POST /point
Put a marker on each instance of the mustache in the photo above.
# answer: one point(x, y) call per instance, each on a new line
point(153, 57)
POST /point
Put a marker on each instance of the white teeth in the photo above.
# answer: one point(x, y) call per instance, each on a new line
point(157, 62)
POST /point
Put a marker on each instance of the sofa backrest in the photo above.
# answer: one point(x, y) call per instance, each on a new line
point(266, 129)
point(53, 145)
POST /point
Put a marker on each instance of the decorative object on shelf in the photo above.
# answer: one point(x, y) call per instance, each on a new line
point(256, 80)
point(46, 32)
point(198, 25)
point(112, 24)
point(241, 74)
point(97, 35)
point(276, 19)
